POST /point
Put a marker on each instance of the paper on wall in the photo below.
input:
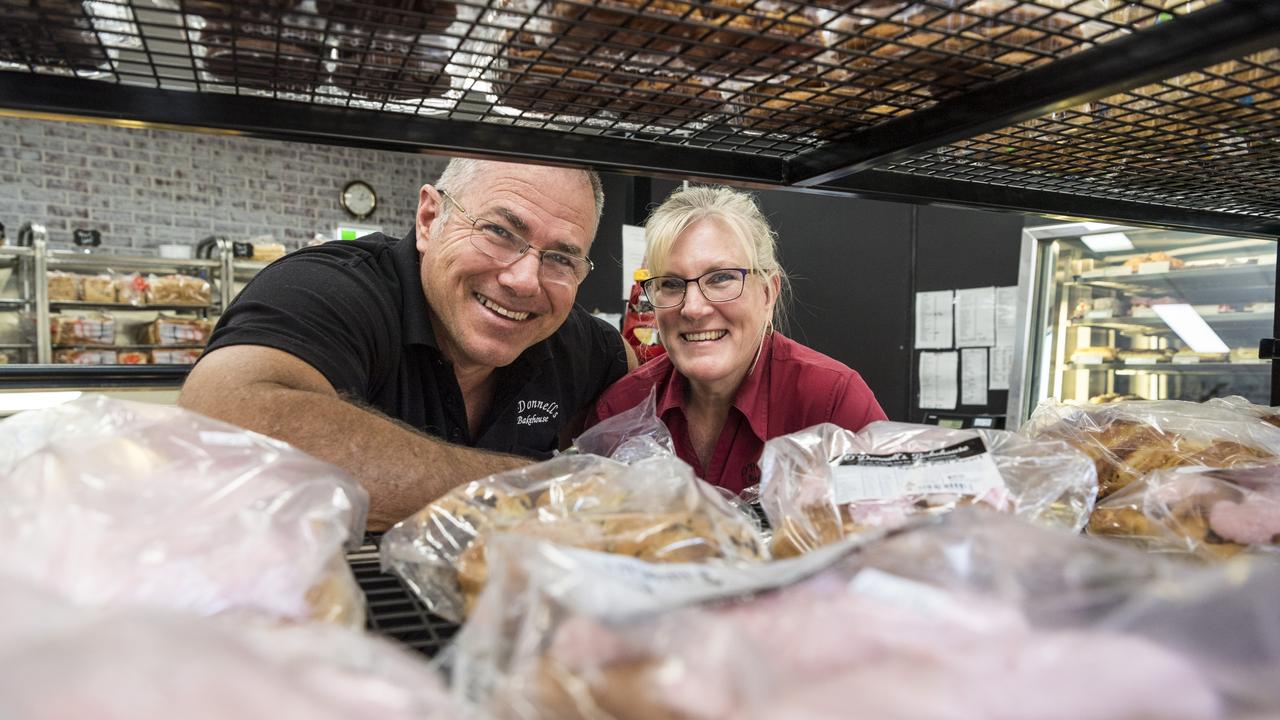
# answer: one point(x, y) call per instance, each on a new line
point(973, 376)
point(632, 256)
point(938, 380)
point(1001, 367)
point(933, 319)
point(975, 317)
point(1006, 315)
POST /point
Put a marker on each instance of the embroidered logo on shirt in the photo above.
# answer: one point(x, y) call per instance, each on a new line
point(536, 412)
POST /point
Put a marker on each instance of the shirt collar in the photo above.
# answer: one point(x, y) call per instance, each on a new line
point(415, 321)
point(752, 398)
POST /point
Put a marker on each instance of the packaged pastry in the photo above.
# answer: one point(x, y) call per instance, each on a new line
point(1153, 262)
point(85, 329)
point(98, 288)
point(826, 483)
point(1187, 356)
point(85, 357)
point(1144, 357)
point(177, 290)
point(131, 289)
point(68, 661)
point(63, 286)
point(178, 356)
point(974, 616)
point(654, 509)
point(1127, 440)
point(1209, 513)
point(1112, 397)
point(129, 504)
point(1093, 354)
point(1242, 405)
point(166, 330)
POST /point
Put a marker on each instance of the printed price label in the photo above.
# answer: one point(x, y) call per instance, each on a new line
point(965, 468)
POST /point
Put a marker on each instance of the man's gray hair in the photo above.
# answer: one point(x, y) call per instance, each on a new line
point(461, 172)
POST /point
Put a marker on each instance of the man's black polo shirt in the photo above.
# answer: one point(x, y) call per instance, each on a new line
point(355, 311)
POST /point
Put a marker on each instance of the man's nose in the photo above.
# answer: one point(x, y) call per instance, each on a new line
point(521, 276)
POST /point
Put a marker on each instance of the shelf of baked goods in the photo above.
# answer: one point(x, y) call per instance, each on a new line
point(1167, 360)
point(1221, 281)
point(136, 339)
point(1148, 109)
point(1260, 321)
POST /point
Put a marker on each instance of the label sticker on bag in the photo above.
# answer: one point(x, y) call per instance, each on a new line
point(965, 468)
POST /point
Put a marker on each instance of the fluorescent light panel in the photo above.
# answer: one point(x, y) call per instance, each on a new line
point(1183, 320)
point(1107, 242)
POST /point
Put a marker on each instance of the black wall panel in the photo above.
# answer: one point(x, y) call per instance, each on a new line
point(958, 249)
point(602, 290)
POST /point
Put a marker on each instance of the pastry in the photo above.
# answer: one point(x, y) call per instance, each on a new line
point(52, 33)
point(382, 70)
point(278, 58)
point(98, 289)
point(63, 287)
point(408, 16)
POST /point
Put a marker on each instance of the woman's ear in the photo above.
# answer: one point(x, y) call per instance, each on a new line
point(773, 288)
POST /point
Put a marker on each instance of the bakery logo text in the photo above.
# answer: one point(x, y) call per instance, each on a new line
point(966, 449)
point(536, 412)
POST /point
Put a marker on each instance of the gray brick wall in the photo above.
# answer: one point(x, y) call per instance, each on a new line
point(142, 188)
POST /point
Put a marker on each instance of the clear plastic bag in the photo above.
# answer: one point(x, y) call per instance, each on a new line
point(1127, 440)
point(1206, 512)
point(629, 436)
point(1267, 414)
point(110, 502)
point(654, 509)
point(130, 664)
point(972, 615)
point(825, 483)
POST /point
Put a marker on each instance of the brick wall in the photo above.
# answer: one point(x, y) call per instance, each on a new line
point(141, 188)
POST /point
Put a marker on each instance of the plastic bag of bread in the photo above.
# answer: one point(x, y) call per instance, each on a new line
point(178, 290)
point(975, 615)
point(1127, 440)
point(825, 483)
point(1210, 513)
point(629, 436)
point(114, 503)
point(63, 286)
point(85, 329)
point(63, 661)
point(167, 330)
point(1265, 413)
point(98, 288)
point(655, 510)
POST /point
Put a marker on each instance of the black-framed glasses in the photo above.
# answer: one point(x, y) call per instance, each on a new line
point(503, 245)
point(719, 285)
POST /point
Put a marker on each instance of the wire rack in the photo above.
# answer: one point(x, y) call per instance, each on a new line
point(394, 612)
point(774, 79)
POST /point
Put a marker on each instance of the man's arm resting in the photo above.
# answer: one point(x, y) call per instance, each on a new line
point(274, 393)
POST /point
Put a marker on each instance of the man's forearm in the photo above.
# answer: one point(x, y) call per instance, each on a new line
point(402, 469)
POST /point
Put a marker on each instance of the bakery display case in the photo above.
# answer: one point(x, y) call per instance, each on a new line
point(1141, 313)
point(17, 301)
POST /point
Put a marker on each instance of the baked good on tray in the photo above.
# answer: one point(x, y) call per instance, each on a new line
point(264, 56)
point(386, 70)
point(410, 16)
point(54, 33)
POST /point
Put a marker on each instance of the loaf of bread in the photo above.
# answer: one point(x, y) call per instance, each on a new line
point(177, 290)
point(1127, 440)
point(1209, 513)
point(826, 483)
point(84, 329)
point(98, 289)
point(655, 510)
point(166, 330)
point(63, 286)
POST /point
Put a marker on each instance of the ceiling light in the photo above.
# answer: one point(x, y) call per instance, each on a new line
point(1107, 242)
point(1183, 320)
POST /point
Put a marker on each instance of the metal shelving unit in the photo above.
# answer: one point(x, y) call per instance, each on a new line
point(1145, 111)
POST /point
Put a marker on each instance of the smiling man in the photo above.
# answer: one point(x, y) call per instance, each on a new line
point(422, 363)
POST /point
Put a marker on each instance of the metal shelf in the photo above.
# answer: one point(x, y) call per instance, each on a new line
point(62, 260)
point(14, 303)
point(85, 305)
point(1240, 283)
point(1156, 326)
point(393, 610)
point(1218, 368)
point(1143, 111)
point(130, 346)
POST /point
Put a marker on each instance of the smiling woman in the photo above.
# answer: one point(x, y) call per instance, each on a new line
point(729, 380)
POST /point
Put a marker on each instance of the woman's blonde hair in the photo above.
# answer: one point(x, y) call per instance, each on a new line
point(736, 210)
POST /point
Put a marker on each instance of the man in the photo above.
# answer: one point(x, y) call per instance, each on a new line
point(423, 363)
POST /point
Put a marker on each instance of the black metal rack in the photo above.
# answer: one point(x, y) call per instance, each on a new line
point(1146, 111)
point(394, 612)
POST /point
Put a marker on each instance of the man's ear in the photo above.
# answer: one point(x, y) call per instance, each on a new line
point(430, 205)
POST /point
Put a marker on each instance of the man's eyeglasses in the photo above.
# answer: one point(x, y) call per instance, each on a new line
point(717, 286)
point(506, 247)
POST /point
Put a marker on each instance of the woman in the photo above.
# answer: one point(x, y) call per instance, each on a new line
point(728, 382)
